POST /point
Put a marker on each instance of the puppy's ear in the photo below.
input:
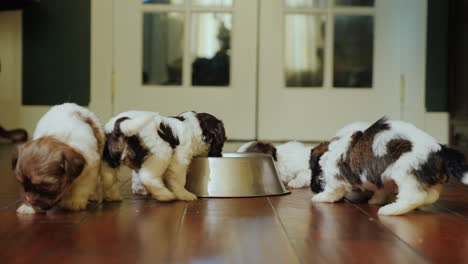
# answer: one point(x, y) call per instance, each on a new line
point(217, 140)
point(15, 155)
point(316, 183)
point(73, 163)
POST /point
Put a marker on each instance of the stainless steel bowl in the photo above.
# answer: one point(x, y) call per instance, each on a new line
point(234, 175)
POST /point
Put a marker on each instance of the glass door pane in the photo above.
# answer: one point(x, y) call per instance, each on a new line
point(163, 35)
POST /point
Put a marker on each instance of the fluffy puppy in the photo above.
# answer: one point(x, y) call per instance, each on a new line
point(159, 149)
point(61, 163)
point(389, 156)
point(291, 160)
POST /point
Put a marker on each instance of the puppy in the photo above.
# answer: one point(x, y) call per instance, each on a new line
point(291, 160)
point(61, 163)
point(389, 156)
point(159, 149)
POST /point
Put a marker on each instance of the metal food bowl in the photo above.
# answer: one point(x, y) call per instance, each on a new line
point(234, 175)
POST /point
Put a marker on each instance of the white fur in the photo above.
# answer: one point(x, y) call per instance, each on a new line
point(411, 193)
point(164, 166)
point(465, 178)
point(25, 209)
point(292, 163)
point(63, 123)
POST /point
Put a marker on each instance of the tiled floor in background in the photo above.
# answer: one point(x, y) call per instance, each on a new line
point(282, 229)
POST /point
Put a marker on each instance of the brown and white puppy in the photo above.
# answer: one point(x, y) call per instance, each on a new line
point(159, 149)
point(61, 164)
point(389, 156)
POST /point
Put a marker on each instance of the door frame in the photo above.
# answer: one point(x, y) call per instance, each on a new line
point(412, 26)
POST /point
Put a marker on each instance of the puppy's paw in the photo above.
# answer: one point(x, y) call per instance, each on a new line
point(164, 195)
point(112, 196)
point(94, 197)
point(324, 198)
point(74, 205)
point(298, 183)
point(25, 209)
point(139, 189)
point(186, 196)
point(394, 209)
point(377, 200)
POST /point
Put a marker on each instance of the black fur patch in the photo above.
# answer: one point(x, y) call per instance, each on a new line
point(113, 147)
point(116, 143)
point(440, 165)
point(180, 118)
point(136, 153)
point(316, 153)
point(111, 157)
point(213, 132)
point(263, 147)
point(166, 133)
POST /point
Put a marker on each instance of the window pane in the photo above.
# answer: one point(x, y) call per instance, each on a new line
point(213, 2)
point(167, 2)
point(354, 2)
point(353, 51)
point(163, 48)
point(211, 48)
point(305, 3)
point(304, 46)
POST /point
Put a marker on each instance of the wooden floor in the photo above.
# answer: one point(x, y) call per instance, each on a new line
point(283, 229)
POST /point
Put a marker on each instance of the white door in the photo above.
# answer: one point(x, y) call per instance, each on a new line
point(325, 63)
point(173, 55)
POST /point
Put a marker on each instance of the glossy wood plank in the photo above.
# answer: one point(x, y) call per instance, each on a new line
point(434, 232)
point(24, 238)
point(338, 233)
point(232, 231)
point(133, 231)
point(454, 197)
point(5, 203)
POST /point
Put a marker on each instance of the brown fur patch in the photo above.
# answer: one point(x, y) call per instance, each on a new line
point(263, 147)
point(94, 128)
point(46, 167)
point(360, 158)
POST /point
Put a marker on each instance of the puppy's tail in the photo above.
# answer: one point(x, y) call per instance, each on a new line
point(454, 163)
point(260, 147)
point(245, 146)
point(131, 126)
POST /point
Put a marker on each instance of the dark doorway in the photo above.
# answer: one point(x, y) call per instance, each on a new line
point(458, 73)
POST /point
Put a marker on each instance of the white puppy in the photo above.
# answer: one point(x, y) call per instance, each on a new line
point(159, 149)
point(291, 160)
point(61, 163)
point(389, 156)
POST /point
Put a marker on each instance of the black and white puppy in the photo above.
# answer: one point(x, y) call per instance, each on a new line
point(159, 149)
point(389, 156)
point(291, 160)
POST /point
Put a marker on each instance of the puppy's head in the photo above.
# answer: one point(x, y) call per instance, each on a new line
point(263, 147)
point(213, 132)
point(115, 145)
point(317, 182)
point(46, 168)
